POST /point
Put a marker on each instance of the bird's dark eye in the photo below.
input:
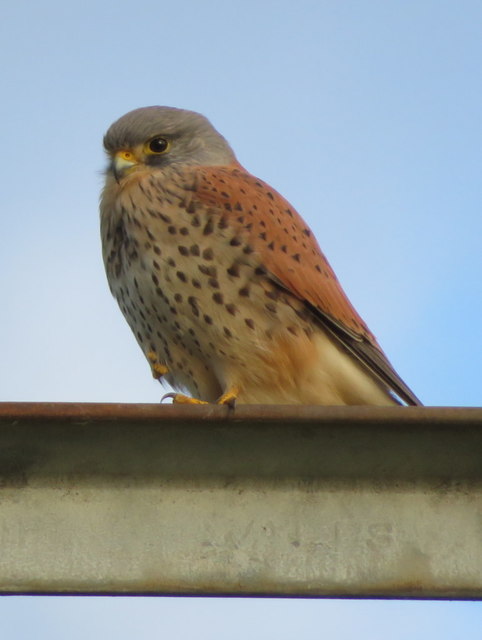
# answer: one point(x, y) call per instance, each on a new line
point(158, 145)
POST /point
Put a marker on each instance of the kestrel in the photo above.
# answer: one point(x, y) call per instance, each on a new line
point(220, 279)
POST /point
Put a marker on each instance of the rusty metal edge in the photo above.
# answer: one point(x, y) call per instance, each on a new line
point(118, 412)
point(376, 594)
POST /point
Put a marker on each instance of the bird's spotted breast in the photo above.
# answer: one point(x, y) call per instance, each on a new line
point(191, 287)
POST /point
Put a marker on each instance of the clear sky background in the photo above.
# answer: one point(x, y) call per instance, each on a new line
point(367, 116)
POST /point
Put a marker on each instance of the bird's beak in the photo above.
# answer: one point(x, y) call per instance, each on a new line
point(122, 162)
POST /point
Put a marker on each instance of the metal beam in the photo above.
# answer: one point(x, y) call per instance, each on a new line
point(262, 500)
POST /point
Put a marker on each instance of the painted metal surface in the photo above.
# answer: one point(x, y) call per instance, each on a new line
point(262, 500)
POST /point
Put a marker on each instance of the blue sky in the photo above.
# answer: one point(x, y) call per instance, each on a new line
point(365, 115)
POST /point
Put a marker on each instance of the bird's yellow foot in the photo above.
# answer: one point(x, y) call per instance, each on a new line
point(158, 369)
point(228, 398)
point(179, 398)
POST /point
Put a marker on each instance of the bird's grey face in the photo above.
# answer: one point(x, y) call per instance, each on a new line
point(164, 136)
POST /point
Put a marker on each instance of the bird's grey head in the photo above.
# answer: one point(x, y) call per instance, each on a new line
point(162, 136)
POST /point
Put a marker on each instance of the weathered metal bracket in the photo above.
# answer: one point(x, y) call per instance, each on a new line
point(262, 500)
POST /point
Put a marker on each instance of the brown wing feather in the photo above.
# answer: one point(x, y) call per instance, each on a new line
point(293, 258)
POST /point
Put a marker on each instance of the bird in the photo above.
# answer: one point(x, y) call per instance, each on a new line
point(222, 282)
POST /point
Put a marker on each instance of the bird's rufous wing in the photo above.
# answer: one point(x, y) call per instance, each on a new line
point(292, 257)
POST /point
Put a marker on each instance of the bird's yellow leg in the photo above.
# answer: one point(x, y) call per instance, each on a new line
point(158, 369)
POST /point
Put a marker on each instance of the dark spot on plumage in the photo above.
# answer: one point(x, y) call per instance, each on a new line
point(296, 256)
point(146, 192)
point(207, 270)
point(155, 279)
point(213, 283)
point(249, 323)
point(191, 186)
point(184, 251)
point(260, 271)
point(147, 245)
point(195, 283)
point(223, 223)
point(194, 249)
point(173, 310)
point(293, 330)
point(318, 268)
point(184, 231)
point(208, 254)
point(224, 194)
point(273, 294)
point(195, 222)
point(248, 249)
point(232, 309)
point(218, 297)
point(258, 184)
point(248, 226)
point(208, 227)
point(233, 271)
point(171, 262)
point(208, 319)
point(191, 207)
point(137, 223)
point(172, 229)
point(164, 218)
point(235, 242)
point(262, 235)
point(240, 219)
point(159, 292)
point(157, 250)
point(302, 313)
point(181, 275)
point(227, 206)
point(227, 332)
point(238, 206)
point(289, 212)
point(284, 248)
point(178, 297)
point(307, 232)
point(244, 291)
point(271, 246)
point(270, 306)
